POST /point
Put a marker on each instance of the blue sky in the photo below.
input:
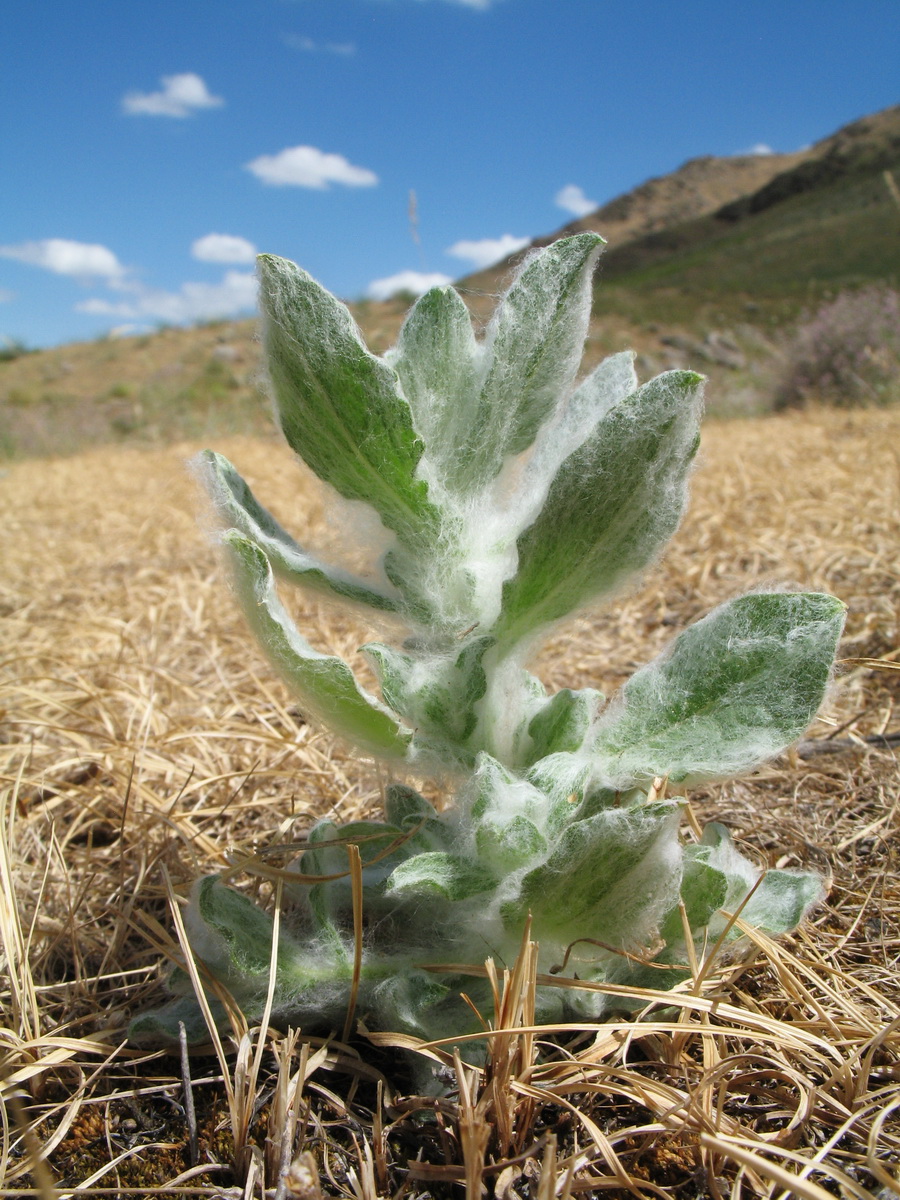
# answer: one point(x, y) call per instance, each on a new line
point(151, 147)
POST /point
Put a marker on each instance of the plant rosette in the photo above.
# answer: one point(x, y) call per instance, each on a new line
point(512, 495)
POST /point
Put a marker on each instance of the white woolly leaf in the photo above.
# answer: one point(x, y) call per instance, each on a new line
point(324, 684)
point(162, 1026)
point(238, 508)
point(510, 845)
point(704, 889)
point(611, 382)
point(378, 844)
point(782, 900)
point(612, 506)
point(436, 359)
point(242, 930)
point(339, 406)
point(777, 902)
point(730, 692)
point(437, 695)
point(532, 351)
point(609, 877)
point(233, 937)
point(439, 874)
point(405, 807)
point(563, 722)
point(508, 818)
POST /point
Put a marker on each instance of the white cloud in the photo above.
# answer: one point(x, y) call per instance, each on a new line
point(305, 166)
point(83, 260)
point(760, 148)
point(223, 248)
point(417, 282)
point(488, 250)
point(180, 96)
point(573, 200)
point(235, 293)
point(296, 41)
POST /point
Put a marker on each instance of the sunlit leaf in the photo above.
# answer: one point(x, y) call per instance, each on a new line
point(729, 693)
point(238, 508)
point(611, 508)
point(532, 351)
point(340, 407)
point(324, 684)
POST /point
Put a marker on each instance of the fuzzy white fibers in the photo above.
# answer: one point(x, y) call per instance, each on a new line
point(478, 553)
point(727, 694)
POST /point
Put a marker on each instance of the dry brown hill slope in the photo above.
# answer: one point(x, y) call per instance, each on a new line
point(707, 185)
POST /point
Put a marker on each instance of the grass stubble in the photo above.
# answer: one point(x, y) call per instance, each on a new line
point(144, 742)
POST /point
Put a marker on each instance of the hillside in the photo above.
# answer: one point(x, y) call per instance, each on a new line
point(793, 230)
point(830, 222)
point(700, 186)
point(707, 266)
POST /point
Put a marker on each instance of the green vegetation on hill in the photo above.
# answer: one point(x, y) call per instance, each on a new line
point(764, 259)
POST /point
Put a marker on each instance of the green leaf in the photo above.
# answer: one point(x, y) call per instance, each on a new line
point(610, 877)
point(610, 383)
point(436, 360)
point(730, 692)
point(703, 891)
point(778, 901)
point(509, 845)
point(782, 900)
point(507, 814)
point(563, 778)
point(562, 724)
point(238, 507)
point(437, 694)
point(233, 937)
point(613, 505)
point(405, 1001)
point(161, 1026)
point(327, 846)
point(438, 874)
point(324, 684)
point(532, 351)
point(339, 406)
point(244, 931)
point(405, 807)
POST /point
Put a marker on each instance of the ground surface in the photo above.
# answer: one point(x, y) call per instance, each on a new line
point(144, 741)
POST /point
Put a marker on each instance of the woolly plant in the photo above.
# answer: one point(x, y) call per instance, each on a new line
point(513, 495)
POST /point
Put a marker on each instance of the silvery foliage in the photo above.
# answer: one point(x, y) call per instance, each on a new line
point(514, 495)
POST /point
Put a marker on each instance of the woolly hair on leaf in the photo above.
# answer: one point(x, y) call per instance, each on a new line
point(729, 693)
point(610, 383)
point(438, 363)
point(324, 684)
point(340, 407)
point(610, 877)
point(612, 506)
point(239, 509)
point(530, 356)
point(774, 900)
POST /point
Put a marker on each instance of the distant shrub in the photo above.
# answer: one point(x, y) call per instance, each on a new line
point(13, 348)
point(847, 354)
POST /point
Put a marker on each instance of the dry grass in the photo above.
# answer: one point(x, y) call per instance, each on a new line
point(144, 742)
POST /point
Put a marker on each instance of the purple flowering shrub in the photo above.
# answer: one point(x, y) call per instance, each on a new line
point(847, 354)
